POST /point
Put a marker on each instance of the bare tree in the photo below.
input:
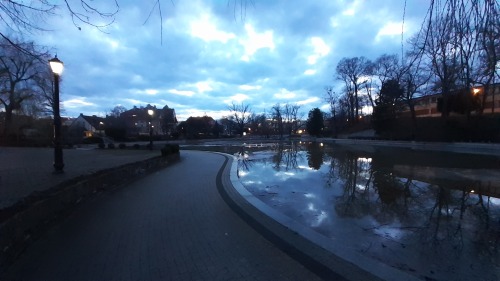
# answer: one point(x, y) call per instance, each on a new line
point(457, 39)
point(22, 17)
point(384, 68)
point(42, 104)
point(21, 77)
point(277, 117)
point(413, 79)
point(333, 101)
point(29, 16)
point(117, 111)
point(350, 71)
point(241, 114)
point(290, 117)
point(489, 45)
point(347, 102)
point(443, 63)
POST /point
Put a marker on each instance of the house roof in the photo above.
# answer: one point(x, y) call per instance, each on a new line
point(93, 120)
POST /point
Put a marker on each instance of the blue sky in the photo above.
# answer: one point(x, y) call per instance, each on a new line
point(211, 56)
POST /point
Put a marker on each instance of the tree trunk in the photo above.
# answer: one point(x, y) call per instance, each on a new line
point(356, 100)
point(8, 121)
point(413, 118)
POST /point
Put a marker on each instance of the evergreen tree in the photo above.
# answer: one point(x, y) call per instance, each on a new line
point(314, 123)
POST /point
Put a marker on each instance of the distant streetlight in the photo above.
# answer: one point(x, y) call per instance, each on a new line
point(57, 67)
point(150, 112)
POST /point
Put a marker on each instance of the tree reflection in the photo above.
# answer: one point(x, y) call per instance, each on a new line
point(355, 176)
point(244, 162)
point(445, 214)
point(285, 157)
point(314, 155)
point(431, 210)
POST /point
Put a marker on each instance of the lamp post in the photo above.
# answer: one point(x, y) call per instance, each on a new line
point(150, 112)
point(57, 68)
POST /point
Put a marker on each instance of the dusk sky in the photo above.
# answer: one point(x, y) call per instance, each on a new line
point(213, 53)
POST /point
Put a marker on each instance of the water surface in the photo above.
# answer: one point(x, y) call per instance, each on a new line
point(432, 214)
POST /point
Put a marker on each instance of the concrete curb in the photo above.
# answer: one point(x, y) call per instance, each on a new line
point(24, 222)
point(458, 147)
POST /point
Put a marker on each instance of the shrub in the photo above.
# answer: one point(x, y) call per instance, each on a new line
point(111, 145)
point(93, 139)
point(165, 151)
point(170, 149)
point(122, 146)
point(175, 148)
point(137, 146)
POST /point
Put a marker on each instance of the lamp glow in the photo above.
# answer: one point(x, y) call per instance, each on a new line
point(56, 65)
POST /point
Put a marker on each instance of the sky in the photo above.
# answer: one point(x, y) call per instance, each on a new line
point(207, 55)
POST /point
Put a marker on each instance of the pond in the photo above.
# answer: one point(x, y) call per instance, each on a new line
point(432, 214)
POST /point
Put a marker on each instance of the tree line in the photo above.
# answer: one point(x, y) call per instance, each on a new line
point(282, 120)
point(457, 49)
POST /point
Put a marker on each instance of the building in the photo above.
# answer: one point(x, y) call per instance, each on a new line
point(137, 120)
point(90, 126)
point(428, 106)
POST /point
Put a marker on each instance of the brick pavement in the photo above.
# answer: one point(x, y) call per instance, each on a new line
point(171, 225)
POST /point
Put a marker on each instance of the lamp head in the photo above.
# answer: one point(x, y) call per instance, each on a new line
point(56, 65)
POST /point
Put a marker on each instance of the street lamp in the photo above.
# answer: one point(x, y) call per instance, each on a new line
point(57, 68)
point(150, 112)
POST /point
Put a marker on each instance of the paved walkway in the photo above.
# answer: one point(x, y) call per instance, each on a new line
point(25, 170)
point(171, 225)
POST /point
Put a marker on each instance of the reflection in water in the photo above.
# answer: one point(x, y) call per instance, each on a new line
point(285, 157)
point(314, 155)
point(434, 215)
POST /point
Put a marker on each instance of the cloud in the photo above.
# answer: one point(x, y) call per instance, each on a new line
point(352, 8)
point(181, 93)
point(207, 56)
point(249, 87)
point(206, 29)
point(284, 94)
point(308, 101)
point(254, 41)
point(151, 92)
point(310, 72)
point(238, 98)
point(75, 103)
point(390, 29)
point(137, 79)
point(320, 49)
point(204, 86)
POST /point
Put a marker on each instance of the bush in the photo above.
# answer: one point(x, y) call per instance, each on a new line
point(170, 149)
point(453, 129)
point(165, 151)
point(93, 139)
point(101, 145)
point(176, 148)
point(122, 146)
point(111, 145)
point(137, 146)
